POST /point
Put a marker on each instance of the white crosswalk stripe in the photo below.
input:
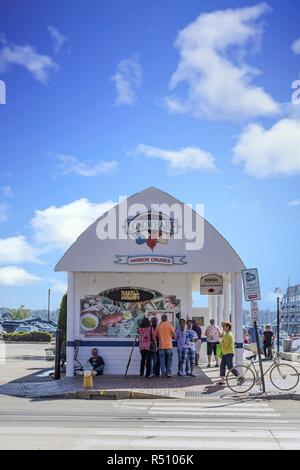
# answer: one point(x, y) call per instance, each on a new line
point(211, 424)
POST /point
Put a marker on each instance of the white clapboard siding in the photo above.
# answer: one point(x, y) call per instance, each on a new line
point(116, 359)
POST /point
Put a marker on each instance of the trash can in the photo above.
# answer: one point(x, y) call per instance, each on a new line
point(88, 378)
point(287, 345)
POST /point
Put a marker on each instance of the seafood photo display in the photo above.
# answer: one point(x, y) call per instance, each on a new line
point(101, 316)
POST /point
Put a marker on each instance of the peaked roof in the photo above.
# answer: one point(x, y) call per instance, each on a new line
point(91, 254)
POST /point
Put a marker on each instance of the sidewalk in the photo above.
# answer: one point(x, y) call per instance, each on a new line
point(120, 387)
point(26, 374)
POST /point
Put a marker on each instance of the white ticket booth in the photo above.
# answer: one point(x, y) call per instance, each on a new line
point(145, 257)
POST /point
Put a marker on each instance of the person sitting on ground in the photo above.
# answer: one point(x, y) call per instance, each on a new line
point(97, 362)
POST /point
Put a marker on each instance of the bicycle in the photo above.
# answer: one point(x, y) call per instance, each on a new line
point(283, 376)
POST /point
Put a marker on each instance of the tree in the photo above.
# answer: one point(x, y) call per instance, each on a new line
point(62, 317)
point(20, 313)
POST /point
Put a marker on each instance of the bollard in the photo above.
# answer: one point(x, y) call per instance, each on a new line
point(88, 378)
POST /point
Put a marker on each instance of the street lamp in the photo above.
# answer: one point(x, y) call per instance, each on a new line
point(278, 294)
point(49, 293)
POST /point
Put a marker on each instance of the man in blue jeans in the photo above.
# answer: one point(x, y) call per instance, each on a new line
point(165, 333)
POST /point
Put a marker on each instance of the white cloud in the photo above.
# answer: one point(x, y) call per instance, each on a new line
point(294, 203)
point(68, 164)
point(15, 276)
point(17, 250)
point(180, 160)
point(58, 286)
point(220, 84)
point(60, 42)
point(128, 80)
point(37, 64)
point(58, 227)
point(296, 46)
point(7, 191)
point(4, 211)
point(270, 152)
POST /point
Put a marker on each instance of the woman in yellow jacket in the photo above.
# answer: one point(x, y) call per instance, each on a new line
point(228, 349)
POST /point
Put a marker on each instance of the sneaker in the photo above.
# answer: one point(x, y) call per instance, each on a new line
point(240, 380)
point(208, 365)
point(221, 382)
point(169, 376)
point(216, 365)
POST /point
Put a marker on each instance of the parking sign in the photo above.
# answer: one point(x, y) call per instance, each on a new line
point(251, 284)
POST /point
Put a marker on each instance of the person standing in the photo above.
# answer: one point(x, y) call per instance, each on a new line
point(165, 333)
point(181, 340)
point(192, 339)
point(228, 350)
point(212, 334)
point(198, 331)
point(146, 338)
point(155, 351)
point(268, 340)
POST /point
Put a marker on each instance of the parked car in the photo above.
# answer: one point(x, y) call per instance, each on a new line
point(45, 327)
point(295, 344)
point(25, 329)
point(2, 331)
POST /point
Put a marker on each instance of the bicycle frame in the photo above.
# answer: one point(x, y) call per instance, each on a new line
point(275, 362)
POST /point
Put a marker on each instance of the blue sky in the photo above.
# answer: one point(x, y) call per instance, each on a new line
point(107, 98)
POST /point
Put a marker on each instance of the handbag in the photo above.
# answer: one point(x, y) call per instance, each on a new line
point(153, 345)
point(219, 353)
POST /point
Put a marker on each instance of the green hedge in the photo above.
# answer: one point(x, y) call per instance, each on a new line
point(24, 336)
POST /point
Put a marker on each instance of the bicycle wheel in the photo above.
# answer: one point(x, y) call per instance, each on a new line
point(284, 376)
point(244, 382)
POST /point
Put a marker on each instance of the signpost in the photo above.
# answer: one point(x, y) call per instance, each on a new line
point(211, 284)
point(252, 294)
point(251, 284)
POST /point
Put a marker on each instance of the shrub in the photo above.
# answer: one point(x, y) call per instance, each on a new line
point(24, 336)
point(62, 318)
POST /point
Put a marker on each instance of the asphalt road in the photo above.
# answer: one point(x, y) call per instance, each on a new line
point(148, 424)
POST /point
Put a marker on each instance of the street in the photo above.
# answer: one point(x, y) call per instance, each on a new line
point(148, 424)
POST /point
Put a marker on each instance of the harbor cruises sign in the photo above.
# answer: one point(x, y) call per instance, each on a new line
point(145, 259)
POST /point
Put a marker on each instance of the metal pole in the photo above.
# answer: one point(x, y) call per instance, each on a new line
point(57, 355)
point(278, 320)
point(259, 357)
point(49, 292)
point(129, 360)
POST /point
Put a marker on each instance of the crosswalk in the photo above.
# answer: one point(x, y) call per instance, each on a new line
point(190, 424)
point(209, 424)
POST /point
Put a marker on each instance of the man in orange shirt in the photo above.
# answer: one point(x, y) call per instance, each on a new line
point(165, 333)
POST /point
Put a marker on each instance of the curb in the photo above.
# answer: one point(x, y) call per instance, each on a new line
point(286, 396)
point(102, 395)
